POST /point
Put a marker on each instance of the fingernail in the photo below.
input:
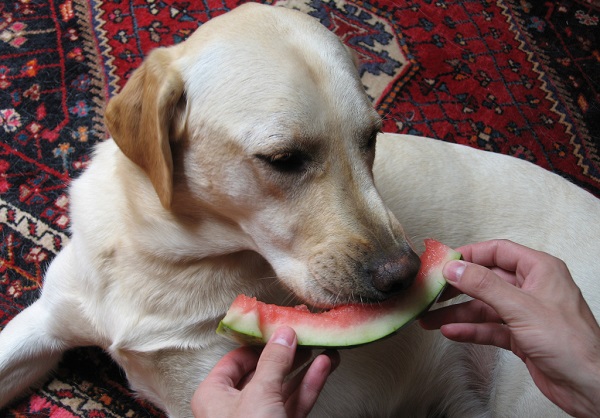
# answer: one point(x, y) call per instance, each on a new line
point(453, 270)
point(283, 336)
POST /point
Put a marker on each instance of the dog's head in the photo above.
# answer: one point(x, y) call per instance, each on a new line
point(260, 120)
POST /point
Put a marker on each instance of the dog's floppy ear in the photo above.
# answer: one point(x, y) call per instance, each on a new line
point(141, 117)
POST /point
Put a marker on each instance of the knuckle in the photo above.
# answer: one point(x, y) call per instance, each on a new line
point(481, 279)
point(277, 357)
point(497, 244)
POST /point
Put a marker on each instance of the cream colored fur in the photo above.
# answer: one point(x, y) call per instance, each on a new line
point(242, 161)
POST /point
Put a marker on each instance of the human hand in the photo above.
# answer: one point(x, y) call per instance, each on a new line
point(244, 384)
point(527, 302)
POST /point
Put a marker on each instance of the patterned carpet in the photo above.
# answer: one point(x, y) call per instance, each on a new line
point(510, 76)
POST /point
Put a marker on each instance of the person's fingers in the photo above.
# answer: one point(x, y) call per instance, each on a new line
point(320, 369)
point(486, 334)
point(276, 360)
point(507, 276)
point(302, 358)
point(232, 368)
point(297, 378)
point(474, 311)
point(504, 254)
point(449, 292)
point(308, 384)
point(483, 284)
point(226, 375)
point(303, 355)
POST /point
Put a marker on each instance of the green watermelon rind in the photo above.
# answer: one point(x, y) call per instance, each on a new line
point(245, 329)
point(240, 336)
point(244, 337)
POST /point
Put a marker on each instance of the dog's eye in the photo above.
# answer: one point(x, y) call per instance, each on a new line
point(285, 161)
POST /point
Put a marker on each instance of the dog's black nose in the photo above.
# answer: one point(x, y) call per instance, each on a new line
point(392, 275)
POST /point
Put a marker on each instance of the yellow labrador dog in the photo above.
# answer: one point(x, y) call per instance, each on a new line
point(243, 160)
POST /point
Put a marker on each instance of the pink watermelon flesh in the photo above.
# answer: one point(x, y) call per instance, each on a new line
point(250, 321)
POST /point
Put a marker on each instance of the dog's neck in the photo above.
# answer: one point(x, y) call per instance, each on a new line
point(133, 243)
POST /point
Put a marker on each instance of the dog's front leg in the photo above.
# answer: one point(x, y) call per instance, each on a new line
point(28, 352)
point(32, 343)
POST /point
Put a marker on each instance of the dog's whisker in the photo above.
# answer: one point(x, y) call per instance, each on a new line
point(273, 278)
point(386, 116)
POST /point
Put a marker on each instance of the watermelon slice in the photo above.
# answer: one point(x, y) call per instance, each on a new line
point(250, 321)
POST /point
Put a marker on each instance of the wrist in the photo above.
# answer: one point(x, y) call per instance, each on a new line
point(588, 391)
point(591, 391)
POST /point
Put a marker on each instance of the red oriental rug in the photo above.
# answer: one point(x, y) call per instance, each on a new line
point(509, 76)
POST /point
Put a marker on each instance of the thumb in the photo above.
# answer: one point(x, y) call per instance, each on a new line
point(481, 283)
point(276, 359)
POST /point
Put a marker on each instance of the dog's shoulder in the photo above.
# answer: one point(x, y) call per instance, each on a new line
point(105, 199)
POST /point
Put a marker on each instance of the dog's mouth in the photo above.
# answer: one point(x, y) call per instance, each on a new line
point(321, 299)
point(356, 303)
point(352, 299)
